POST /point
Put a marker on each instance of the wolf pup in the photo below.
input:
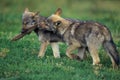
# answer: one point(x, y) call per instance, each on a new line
point(83, 35)
point(31, 21)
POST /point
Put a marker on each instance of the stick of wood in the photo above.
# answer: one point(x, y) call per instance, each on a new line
point(19, 36)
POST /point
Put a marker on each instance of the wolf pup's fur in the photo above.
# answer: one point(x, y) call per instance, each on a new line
point(85, 34)
point(45, 37)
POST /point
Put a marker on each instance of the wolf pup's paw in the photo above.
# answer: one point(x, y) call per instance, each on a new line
point(75, 57)
point(39, 56)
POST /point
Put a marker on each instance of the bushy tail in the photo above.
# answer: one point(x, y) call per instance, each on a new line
point(112, 51)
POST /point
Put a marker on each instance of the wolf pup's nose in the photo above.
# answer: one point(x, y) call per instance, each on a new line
point(23, 31)
point(53, 29)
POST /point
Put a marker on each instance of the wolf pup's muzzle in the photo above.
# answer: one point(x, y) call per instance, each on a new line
point(23, 31)
point(28, 31)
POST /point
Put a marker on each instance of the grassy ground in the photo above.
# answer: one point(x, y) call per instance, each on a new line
point(18, 60)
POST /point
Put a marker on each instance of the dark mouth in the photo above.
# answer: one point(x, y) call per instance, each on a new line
point(24, 31)
point(53, 29)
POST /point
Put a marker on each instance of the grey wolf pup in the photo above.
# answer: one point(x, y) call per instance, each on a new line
point(31, 21)
point(86, 34)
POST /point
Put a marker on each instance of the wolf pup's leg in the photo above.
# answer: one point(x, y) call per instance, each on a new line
point(55, 48)
point(81, 53)
point(93, 43)
point(94, 53)
point(43, 48)
point(69, 52)
point(93, 49)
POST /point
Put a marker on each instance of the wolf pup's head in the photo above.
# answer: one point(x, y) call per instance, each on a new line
point(57, 22)
point(28, 24)
point(29, 20)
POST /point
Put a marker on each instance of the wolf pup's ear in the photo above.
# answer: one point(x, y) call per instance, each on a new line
point(26, 10)
point(36, 13)
point(58, 11)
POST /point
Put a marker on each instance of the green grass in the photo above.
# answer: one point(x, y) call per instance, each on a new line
point(19, 61)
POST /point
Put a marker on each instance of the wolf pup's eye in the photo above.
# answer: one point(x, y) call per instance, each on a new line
point(57, 23)
point(25, 22)
point(33, 21)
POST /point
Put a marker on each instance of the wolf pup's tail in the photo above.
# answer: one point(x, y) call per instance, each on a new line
point(112, 51)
